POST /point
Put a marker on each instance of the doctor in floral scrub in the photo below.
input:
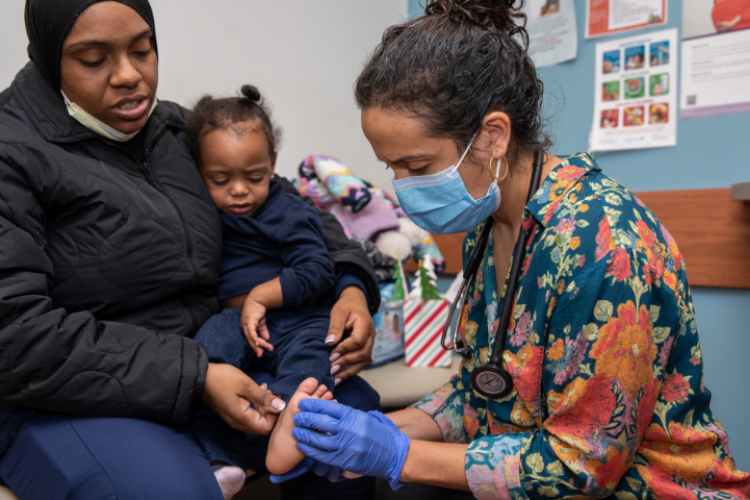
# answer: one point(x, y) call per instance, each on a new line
point(603, 347)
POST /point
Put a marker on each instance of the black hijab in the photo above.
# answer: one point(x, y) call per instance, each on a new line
point(48, 23)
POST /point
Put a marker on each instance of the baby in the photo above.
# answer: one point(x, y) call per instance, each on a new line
point(275, 267)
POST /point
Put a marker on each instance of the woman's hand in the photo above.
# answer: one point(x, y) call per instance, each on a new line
point(229, 393)
point(353, 354)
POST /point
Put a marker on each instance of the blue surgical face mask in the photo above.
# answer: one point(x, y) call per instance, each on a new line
point(440, 204)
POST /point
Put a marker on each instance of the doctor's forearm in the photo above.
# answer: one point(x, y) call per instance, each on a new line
point(437, 464)
point(417, 425)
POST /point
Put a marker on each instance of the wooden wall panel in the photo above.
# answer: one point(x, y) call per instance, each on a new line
point(450, 247)
point(712, 231)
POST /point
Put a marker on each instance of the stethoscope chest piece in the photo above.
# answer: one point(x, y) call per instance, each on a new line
point(491, 382)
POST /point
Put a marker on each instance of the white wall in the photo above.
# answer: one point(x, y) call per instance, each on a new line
point(303, 55)
point(13, 40)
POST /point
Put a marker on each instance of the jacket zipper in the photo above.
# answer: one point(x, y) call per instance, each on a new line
point(185, 229)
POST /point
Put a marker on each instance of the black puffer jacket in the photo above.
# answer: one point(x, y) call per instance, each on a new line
point(107, 266)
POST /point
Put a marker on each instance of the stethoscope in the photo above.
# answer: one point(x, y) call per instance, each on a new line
point(491, 380)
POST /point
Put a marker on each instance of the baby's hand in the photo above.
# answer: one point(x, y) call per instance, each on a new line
point(253, 323)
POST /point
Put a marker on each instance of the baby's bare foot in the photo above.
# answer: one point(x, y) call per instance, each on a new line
point(283, 454)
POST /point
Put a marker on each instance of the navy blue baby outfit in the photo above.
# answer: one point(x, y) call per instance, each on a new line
point(283, 239)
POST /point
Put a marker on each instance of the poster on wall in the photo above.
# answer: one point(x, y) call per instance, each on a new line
point(553, 34)
point(606, 17)
point(715, 57)
point(635, 92)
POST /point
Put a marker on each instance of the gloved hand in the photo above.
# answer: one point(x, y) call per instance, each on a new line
point(383, 419)
point(351, 440)
point(333, 474)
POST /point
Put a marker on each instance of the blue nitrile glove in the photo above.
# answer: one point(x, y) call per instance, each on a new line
point(333, 474)
point(383, 419)
point(351, 440)
point(301, 468)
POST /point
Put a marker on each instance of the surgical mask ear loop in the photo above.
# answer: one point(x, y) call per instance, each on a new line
point(499, 163)
point(463, 156)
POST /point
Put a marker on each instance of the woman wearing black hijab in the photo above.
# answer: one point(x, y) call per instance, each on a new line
point(110, 252)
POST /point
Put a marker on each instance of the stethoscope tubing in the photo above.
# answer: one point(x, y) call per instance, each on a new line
point(515, 271)
point(472, 267)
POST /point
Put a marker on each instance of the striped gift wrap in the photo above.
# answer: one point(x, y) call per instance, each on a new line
point(422, 328)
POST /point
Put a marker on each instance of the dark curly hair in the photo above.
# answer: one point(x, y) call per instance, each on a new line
point(453, 65)
point(230, 113)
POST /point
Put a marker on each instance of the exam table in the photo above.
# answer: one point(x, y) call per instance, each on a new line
point(400, 386)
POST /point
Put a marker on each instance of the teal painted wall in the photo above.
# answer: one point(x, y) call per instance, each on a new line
point(416, 8)
point(708, 155)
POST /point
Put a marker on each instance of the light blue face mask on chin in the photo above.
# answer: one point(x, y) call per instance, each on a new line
point(440, 204)
point(90, 122)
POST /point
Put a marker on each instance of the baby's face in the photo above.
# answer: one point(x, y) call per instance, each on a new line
point(237, 169)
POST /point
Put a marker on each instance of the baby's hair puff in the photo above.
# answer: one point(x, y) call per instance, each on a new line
point(231, 113)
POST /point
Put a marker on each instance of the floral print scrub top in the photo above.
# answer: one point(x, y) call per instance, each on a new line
point(604, 354)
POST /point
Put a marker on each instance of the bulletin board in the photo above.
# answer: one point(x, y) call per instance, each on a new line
point(689, 182)
point(708, 152)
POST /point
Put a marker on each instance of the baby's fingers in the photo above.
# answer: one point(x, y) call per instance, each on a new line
point(265, 345)
point(251, 335)
point(263, 329)
point(256, 348)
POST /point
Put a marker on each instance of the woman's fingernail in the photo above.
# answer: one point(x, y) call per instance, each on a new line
point(337, 382)
point(264, 386)
point(335, 369)
point(278, 404)
point(330, 339)
point(335, 356)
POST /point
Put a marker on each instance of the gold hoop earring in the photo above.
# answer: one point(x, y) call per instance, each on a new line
point(507, 170)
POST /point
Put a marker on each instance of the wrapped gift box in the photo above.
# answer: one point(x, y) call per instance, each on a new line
point(425, 313)
point(424, 324)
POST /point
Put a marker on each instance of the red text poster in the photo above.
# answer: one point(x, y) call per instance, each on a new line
point(605, 17)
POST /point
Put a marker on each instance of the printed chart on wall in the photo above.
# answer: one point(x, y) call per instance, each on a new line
point(715, 57)
point(606, 17)
point(635, 92)
point(553, 36)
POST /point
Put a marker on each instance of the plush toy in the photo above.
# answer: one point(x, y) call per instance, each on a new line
point(422, 243)
point(366, 212)
point(393, 243)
